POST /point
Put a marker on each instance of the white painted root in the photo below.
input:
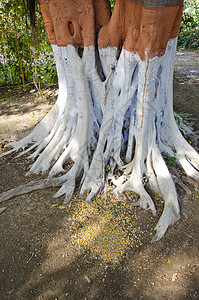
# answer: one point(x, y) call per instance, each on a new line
point(171, 212)
point(30, 187)
point(170, 140)
point(2, 209)
point(108, 58)
point(40, 131)
point(147, 159)
point(118, 101)
point(101, 124)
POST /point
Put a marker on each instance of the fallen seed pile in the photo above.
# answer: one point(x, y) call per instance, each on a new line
point(109, 227)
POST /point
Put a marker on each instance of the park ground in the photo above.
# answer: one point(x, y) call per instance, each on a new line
point(98, 251)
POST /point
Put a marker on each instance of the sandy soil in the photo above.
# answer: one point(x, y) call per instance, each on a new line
point(97, 251)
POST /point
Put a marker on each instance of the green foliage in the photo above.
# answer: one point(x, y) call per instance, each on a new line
point(112, 2)
point(189, 40)
point(171, 161)
point(189, 29)
point(180, 118)
point(18, 63)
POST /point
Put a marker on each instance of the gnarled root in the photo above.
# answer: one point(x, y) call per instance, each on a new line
point(124, 122)
point(30, 187)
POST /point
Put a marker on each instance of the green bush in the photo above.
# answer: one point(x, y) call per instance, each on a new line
point(189, 28)
point(18, 63)
point(189, 39)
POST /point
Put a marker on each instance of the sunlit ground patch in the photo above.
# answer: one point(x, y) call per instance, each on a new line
point(107, 229)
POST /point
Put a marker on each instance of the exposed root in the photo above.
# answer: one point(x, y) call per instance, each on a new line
point(169, 216)
point(30, 187)
point(80, 167)
point(2, 209)
point(181, 184)
point(135, 184)
point(95, 179)
point(171, 212)
point(97, 122)
point(40, 131)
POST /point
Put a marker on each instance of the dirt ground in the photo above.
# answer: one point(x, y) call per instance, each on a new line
point(98, 251)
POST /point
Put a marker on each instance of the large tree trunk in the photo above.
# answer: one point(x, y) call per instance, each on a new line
point(114, 110)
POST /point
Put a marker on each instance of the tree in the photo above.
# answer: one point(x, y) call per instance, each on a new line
point(21, 48)
point(114, 110)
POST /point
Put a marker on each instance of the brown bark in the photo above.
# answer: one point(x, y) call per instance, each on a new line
point(74, 22)
point(133, 24)
point(140, 29)
point(48, 22)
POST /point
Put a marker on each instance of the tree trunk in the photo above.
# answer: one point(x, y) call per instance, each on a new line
point(114, 110)
point(19, 55)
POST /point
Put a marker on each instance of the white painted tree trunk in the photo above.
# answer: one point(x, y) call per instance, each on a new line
point(120, 117)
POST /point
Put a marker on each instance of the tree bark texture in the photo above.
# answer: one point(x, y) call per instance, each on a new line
point(115, 105)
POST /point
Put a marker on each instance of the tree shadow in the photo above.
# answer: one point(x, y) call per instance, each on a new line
point(97, 251)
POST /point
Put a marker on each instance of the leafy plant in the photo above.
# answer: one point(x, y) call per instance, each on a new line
point(171, 161)
point(189, 39)
point(112, 2)
point(180, 118)
point(189, 29)
point(23, 50)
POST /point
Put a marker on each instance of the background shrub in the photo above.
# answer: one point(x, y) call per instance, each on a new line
point(189, 29)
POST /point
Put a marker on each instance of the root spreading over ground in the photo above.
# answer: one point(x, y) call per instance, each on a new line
point(114, 120)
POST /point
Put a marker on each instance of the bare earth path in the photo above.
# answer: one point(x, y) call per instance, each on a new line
point(97, 251)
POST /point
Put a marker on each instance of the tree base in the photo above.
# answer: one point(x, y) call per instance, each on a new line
point(125, 122)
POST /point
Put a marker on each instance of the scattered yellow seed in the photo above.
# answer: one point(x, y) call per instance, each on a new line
point(61, 207)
